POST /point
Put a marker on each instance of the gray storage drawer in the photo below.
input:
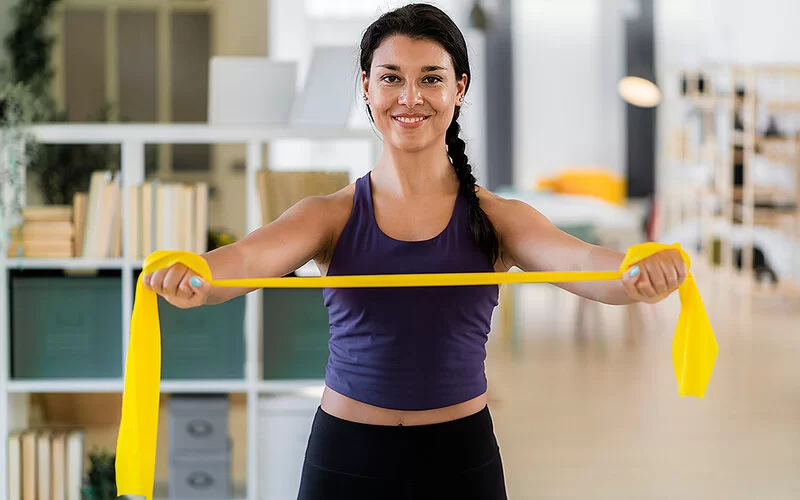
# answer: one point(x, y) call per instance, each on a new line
point(198, 425)
point(202, 477)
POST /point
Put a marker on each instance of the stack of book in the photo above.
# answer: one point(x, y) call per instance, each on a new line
point(167, 216)
point(160, 216)
point(46, 463)
point(98, 218)
point(45, 232)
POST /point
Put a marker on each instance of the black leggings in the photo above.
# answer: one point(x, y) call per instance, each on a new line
point(353, 461)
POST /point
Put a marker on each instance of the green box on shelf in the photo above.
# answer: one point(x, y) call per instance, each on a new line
point(202, 342)
point(66, 326)
point(295, 333)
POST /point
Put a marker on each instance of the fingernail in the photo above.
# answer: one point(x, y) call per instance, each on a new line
point(195, 281)
point(634, 272)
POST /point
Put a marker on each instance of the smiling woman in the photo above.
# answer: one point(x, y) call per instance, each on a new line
point(404, 412)
point(415, 73)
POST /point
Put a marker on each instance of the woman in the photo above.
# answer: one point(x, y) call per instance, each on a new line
point(404, 412)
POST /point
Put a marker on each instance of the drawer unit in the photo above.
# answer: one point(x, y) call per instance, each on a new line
point(200, 477)
point(198, 424)
point(199, 447)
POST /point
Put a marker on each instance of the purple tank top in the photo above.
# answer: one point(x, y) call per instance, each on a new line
point(413, 348)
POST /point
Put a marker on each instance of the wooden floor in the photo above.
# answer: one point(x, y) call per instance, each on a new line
point(598, 416)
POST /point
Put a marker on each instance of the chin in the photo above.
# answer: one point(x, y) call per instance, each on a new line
point(409, 142)
point(409, 145)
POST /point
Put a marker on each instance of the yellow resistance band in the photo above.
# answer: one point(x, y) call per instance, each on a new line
point(694, 348)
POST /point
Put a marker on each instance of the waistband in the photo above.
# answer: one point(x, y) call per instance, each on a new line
point(384, 451)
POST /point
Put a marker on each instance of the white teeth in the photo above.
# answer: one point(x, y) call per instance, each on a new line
point(409, 120)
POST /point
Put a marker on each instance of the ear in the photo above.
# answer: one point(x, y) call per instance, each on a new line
point(364, 84)
point(461, 88)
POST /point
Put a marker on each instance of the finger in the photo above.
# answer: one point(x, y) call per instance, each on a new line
point(646, 291)
point(669, 268)
point(657, 277)
point(680, 267)
point(631, 279)
point(185, 289)
point(172, 279)
point(156, 280)
point(644, 286)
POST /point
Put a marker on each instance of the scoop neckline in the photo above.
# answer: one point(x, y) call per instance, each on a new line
point(407, 242)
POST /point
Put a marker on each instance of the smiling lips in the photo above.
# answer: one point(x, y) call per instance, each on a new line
point(409, 121)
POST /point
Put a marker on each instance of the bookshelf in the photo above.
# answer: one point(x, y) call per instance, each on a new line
point(735, 158)
point(132, 138)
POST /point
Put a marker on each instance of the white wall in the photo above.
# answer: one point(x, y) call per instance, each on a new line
point(239, 30)
point(693, 32)
point(567, 60)
point(740, 31)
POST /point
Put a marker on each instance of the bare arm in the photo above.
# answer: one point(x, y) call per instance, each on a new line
point(529, 241)
point(302, 233)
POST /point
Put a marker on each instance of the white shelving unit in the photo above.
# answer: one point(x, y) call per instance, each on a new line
point(132, 139)
point(723, 133)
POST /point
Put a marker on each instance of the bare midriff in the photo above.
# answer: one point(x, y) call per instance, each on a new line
point(345, 408)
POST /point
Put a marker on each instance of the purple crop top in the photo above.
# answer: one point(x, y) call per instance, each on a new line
point(413, 348)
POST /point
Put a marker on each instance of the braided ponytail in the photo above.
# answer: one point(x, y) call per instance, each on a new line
point(480, 226)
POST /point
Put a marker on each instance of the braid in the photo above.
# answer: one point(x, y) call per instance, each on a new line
point(481, 227)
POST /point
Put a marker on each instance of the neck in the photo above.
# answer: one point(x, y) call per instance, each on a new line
point(415, 173)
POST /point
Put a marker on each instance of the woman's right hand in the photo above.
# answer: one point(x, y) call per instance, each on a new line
point(179, 286)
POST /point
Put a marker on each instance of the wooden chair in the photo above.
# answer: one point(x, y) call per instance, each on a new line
point(279, 190)
point(507, 306)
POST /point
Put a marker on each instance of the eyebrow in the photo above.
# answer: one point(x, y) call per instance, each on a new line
point(395, 67)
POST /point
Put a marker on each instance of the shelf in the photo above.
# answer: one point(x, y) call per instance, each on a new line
point(307, 386)
point(116, 386)
point(203, 386)
point(72, 264)
point(61, 385)
point(788, 106)
point(190, 133)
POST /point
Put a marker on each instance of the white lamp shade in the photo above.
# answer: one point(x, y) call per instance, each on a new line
point(639, 92)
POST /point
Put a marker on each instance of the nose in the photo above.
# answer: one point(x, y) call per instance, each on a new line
point(410, 96)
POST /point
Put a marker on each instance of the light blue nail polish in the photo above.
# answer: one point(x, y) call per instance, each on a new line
point(195, 281)
point(634, 272)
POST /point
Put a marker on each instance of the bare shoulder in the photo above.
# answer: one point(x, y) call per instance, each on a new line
point(328, 214)
point(505, 213)
point(329, 208)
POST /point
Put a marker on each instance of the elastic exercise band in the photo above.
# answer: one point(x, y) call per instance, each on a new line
point(694, 348)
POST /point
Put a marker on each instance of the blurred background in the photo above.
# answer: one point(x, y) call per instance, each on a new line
point(128, 126)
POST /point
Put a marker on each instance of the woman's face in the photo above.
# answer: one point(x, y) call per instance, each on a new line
point(412, 92)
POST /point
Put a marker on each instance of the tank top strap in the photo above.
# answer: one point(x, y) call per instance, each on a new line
point(363, 194)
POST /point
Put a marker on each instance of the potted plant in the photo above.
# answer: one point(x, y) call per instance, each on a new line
point(60, 170)
point(101, 480)
point(17, 107)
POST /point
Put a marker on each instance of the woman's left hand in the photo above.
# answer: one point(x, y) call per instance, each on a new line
point(656, 277)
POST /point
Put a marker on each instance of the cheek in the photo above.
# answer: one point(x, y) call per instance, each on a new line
point(442, 101)
point(381, 104)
